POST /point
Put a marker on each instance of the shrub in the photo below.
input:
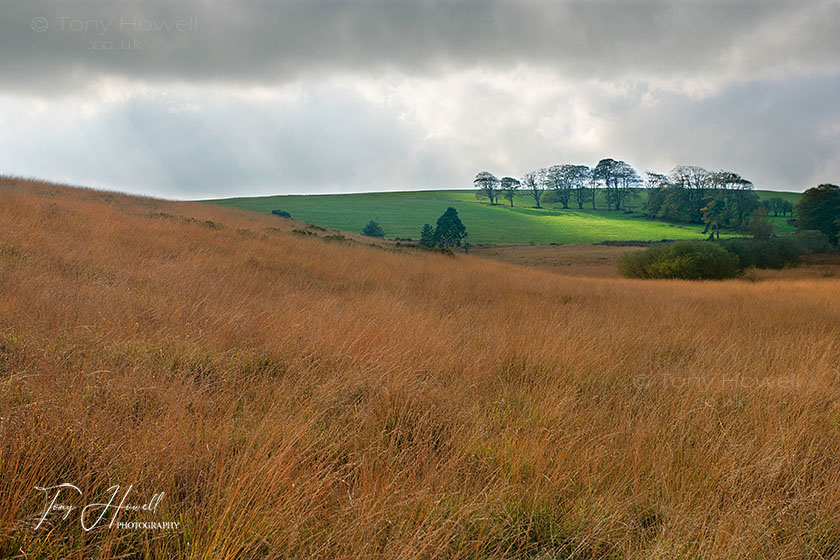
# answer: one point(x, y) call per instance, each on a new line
point(776, 252)
point(281, 213)
point(688, 260)
point(372, 229)
point(813, 241)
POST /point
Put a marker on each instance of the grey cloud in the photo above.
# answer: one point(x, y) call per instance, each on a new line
point(780, 135)
point(274, 42)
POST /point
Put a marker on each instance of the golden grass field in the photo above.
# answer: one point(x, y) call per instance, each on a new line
point(300, 398)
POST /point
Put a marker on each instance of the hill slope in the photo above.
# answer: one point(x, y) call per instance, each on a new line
point(402, 214)
point(298, 397)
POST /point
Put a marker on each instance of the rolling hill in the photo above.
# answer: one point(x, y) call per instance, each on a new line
point(402, 214)
point(307, 395)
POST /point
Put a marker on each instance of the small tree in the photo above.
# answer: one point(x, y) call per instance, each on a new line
point(427, 236)
point(509, 188)
point(760, 226)
point(714, 213)
point(372, 229)
point(534, 183)
point(580, 177)
point(450, 231)
point(487, 185)
point(603, 172)
point(557, 180)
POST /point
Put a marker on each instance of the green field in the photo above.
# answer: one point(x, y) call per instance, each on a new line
point(402, 214)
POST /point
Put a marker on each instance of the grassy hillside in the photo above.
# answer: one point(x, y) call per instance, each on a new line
point(295, 397)
point(403, 214)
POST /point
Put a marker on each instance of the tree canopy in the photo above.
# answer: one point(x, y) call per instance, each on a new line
point(819, 209)
point(450, 231)
point(509, 186)
point(692, 194)
point(487, 185)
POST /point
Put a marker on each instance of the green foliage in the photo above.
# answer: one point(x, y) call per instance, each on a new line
point(714, 213)
point(776, 252)
point(281, 213)
point(487, 185)
point(372, 229)
point(427, 236)
point(719, 199)
point(669, 203)
point(813, 241)
point(450, 231)
point(819, 209)
point(509, 186)
point(760, 226)
point(534, 184)
point(778, 205)
point(688, 260)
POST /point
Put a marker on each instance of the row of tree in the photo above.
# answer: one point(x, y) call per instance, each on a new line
point(718, 199)
point(566, 184)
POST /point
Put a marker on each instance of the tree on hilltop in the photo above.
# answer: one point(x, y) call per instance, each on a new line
point(509, 186)
point(534, 183)
point(487, 185)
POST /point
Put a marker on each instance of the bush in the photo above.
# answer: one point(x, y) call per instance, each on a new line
point(372, 229)
point(281, 213)
point(813, 241)
point(776, 252)
point(688, 260)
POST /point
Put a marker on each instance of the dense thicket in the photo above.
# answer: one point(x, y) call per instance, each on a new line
point(708, 260)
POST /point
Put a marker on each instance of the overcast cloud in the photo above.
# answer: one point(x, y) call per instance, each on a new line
point(207, 99)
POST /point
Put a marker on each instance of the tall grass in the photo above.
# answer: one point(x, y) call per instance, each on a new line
point(299, 398)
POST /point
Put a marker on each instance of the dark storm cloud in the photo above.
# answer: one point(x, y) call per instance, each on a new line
point(49, 46)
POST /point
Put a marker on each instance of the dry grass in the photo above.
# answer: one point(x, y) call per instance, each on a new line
point(301, 398)
point(597, 261)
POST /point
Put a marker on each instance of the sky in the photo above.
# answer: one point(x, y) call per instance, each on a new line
point(206, 99)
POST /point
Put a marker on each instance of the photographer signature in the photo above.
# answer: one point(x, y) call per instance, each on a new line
point(91, 515)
